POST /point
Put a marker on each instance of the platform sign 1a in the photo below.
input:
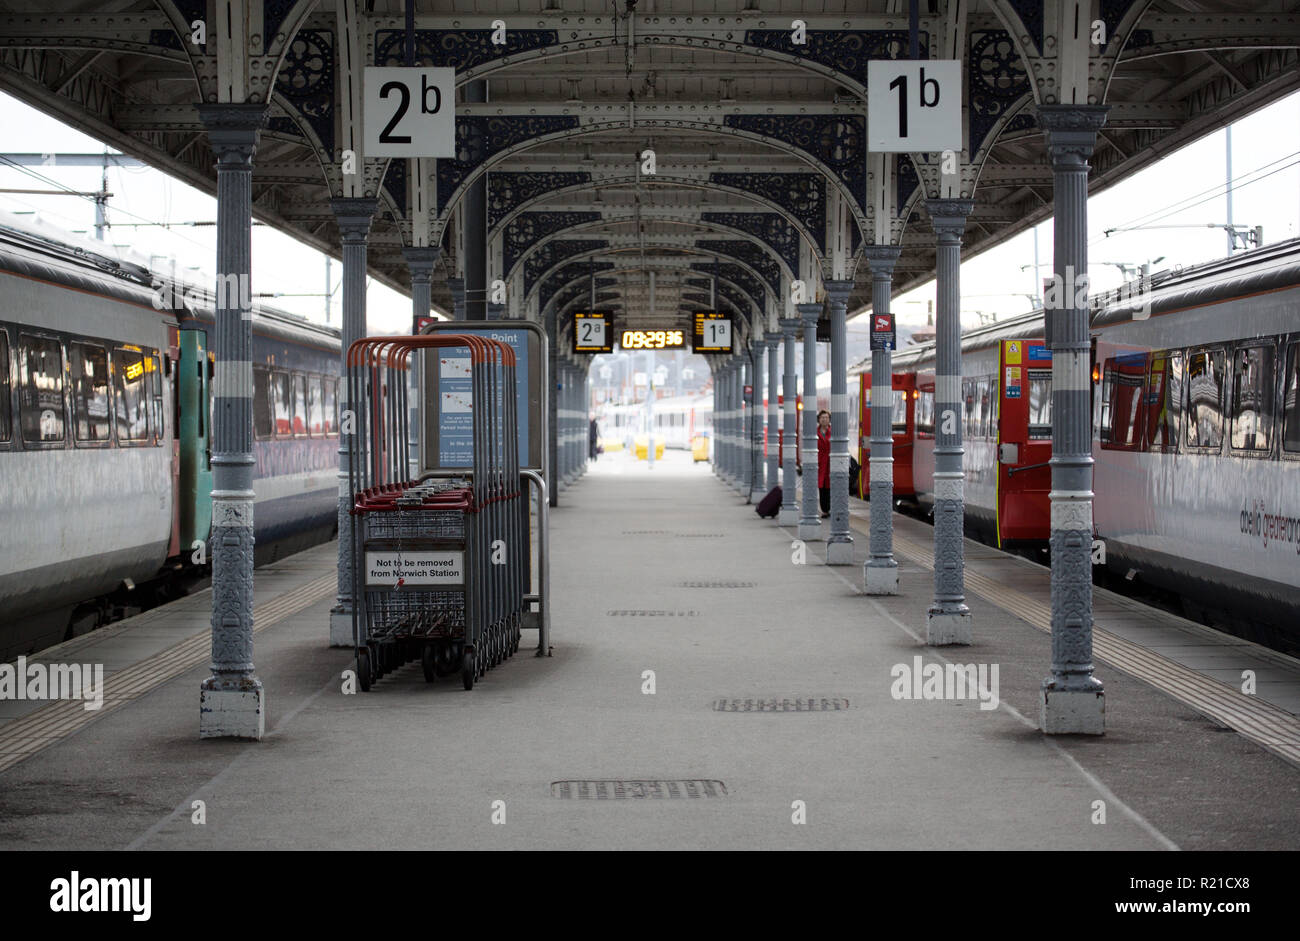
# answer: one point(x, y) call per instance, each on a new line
point(448, 396)
point(593, 332)
point(409, 112)
point(711, 332)
point(913, 105)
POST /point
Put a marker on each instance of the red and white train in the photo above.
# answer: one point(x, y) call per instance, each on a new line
point(1196, 436)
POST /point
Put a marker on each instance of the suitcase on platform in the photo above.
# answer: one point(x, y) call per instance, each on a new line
point(770, 505)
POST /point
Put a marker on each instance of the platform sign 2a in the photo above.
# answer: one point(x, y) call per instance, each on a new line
point(913, 105)
point(711, 333)
point(593, 332)
point(409, 112)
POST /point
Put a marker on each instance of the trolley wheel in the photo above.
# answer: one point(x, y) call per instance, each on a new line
point(428, 663)
point(468, 670)
point(363, 669)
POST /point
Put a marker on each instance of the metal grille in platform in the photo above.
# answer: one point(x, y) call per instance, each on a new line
point(804, 704)
point(637, 790)
point(645, 613)
point(719, 584)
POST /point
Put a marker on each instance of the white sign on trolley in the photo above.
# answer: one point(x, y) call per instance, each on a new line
point(415, 567)
point(409, 112)
point(913, 105)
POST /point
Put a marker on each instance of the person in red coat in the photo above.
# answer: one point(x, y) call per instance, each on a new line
point(824, 460)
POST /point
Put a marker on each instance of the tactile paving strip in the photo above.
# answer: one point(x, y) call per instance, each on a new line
point(1261, 722)
point(29, 734)
point(637, 790)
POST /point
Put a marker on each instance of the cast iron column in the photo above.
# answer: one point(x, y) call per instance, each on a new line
point(881, 570)
point(789, 515)
point(773, 416)
point(232, 703)
point(420, 261)
point(457, 288)
point(839, 544)
point(1072, 700)
point(758, 485)
point(810, 523)
point(949, 620)
point(353, 215)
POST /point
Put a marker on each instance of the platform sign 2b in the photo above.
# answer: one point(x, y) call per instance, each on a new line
point(593, 332)
point(913, 105)
point(409, 112)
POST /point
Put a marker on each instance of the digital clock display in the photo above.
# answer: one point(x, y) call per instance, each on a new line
point(653, 339)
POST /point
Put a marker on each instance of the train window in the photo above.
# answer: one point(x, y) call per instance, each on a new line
point(282, 403)
point(153, 369)
point(898, 423)
point(263, 424)
point(6, 422)
point(968, 407)
point(1121, 401)
point(1252, 398)
point(1040, 404)
point(40, 388)
point(315, 425)
point(1205, 398)
point(132, 394)
point(991, 412)
point(299, 404)
point(331, 415)
point(986, 405)
point(1164, 399)
point(1291, 399)
point(90, 393)
point(925, 413)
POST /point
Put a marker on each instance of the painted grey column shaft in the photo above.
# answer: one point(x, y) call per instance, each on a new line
point(758, 485)
point(724, 424)
point(810, 523)
point(948, 620)
point(773, 409)
point(744, 437)
point(881, 571)
point(420, 261)
point(475, 218)
point(457, 288)
point(789, 515)
point(232, 703)
point(1072, 700)
point(552, 407)
point(839, 543)
point(353, 215)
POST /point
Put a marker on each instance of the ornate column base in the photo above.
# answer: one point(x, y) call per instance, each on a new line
point(839, 553)
point(341, 628)
point(881, 579)
point(789, 515)
point(810, 532)
point(948, 628)
point(1071, 711)
point(232, 708)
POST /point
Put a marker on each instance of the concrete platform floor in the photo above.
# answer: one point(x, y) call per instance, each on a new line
point(661, 570)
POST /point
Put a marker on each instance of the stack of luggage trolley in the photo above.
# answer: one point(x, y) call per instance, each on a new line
point(440, 563)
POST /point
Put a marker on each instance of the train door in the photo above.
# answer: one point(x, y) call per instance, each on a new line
point(903, 430)
point(1024, 442)
point(173, 357)
point(194, 433)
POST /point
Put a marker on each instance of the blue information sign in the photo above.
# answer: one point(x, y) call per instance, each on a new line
point(456, 396)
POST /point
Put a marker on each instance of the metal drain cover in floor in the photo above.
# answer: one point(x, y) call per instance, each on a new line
point(719, 584)
point(642, 613)
point(637, 790)
point(646, 532)
point(699, 535)
point(804, 704)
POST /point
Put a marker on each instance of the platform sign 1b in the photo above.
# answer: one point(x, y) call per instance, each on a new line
point(593, 332)
point(711, 333)
point(883, 336)
point(409, 112)
point(913, 105)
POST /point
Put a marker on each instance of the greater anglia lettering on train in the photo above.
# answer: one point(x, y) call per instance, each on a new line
point(649, 425)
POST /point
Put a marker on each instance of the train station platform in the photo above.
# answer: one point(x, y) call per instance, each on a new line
point(704, 692)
